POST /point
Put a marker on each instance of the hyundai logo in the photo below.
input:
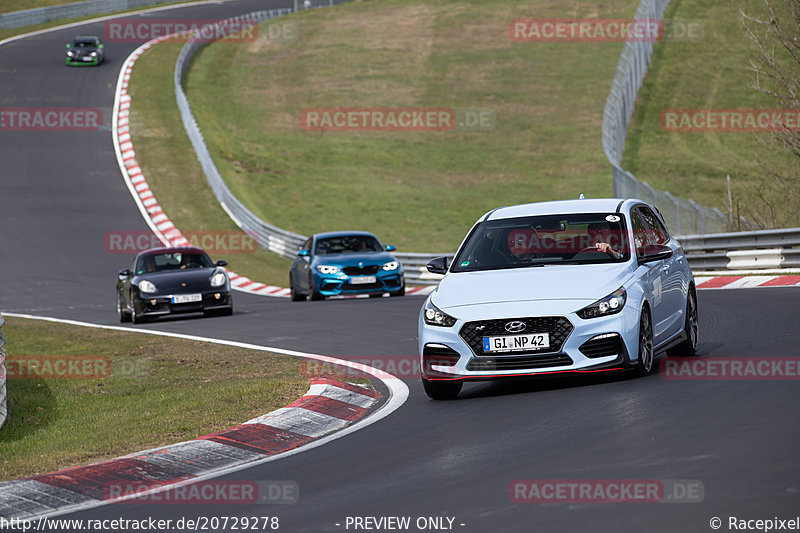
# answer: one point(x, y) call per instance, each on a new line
point(515, 326)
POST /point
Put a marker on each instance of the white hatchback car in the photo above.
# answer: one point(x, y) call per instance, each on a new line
point(573, 286)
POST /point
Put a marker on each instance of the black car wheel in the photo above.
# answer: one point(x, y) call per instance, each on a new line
point(123, 314)
point(136, 317)
point(399, 292)
point(315, 294)
point(644, 365)
point(442, 390)
point(297, 296)
point(691, 329)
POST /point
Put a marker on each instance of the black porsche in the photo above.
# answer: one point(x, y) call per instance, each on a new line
point(173, 280)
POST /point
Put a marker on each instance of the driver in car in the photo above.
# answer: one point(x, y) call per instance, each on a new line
point(600, 235)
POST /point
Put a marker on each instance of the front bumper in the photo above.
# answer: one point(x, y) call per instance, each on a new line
point(79, 62)
point(596, 345)
point(341, 284)
point(159, 305)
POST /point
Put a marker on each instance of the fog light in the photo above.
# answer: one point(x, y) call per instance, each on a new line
point(217, 295)
point(153, 301)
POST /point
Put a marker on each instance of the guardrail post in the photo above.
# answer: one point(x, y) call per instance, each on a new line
point(3, 401)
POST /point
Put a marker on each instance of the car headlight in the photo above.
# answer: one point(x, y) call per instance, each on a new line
point(328, 269)
point(391, 265)
point(218, 279)
point(70, 53)
point(93, 54)
point(613, 303)
point(433, 316)
point(146, 286)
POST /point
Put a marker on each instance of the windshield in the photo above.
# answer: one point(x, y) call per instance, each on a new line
point(347, 244)
point(544, 240)
point(85, 44)
point(171, 261)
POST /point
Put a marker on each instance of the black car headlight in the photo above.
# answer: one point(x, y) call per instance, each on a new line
point(613, 303)
point(433, 316)
point(218, 279)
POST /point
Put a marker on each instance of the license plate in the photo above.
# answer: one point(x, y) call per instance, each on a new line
point(516, 343)
point(187, 298)
point(362, 280)
point(88, 58)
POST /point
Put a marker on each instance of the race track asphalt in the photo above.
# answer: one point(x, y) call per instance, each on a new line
point(61, 191)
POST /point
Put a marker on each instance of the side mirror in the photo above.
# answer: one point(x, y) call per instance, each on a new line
point(390, 248)
point(437, 265)
point(221, 263)
point(304, 253)
point(125, 273)
point(655, 252)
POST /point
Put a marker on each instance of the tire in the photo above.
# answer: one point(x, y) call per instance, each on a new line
point(124, 316)
point(691, 328)
point(645, 362)
point(296, 296)
point(400, 292)
point(442, 390)
point(315, 294)
point(137, 319)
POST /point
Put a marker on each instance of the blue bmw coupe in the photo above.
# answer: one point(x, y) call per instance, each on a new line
point(345, 263)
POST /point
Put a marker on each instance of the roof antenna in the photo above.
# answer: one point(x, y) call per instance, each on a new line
point(581, 197)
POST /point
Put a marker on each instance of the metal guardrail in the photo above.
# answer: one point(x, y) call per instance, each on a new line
point(275, 239)
point(682, 216)
point(745, 250)
point(712, 250)
point(3, 401)
point(280, 241)
point(40, 15)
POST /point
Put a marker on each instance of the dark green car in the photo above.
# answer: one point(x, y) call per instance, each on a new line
point(85, 51)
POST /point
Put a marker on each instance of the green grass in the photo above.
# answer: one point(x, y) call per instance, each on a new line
point(188, 389)
point(418, 190)
point(712, 73)
point(173, 173)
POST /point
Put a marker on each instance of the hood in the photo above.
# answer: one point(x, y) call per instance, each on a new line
point(352, 259)
point(170, 280)
point(565, 282)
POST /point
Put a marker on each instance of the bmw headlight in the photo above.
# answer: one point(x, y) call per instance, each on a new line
point(146, 286)
point(328, 269)
point(218, 279)
point(433, 316)
point(391, 265)
point(613, 303)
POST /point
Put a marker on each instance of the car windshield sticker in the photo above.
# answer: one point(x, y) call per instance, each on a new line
point(612, 218)
point(464, 263)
